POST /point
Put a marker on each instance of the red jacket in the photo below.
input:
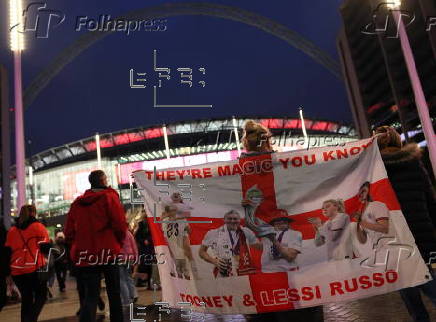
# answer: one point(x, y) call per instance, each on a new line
point(24, 243)
point(96, 227)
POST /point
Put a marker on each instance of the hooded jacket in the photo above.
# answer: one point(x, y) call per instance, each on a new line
point(96, 227)
point(415, 193)
point(24, 242)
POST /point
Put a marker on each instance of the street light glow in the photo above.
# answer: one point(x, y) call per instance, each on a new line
point(16, 24)
point(394, 4)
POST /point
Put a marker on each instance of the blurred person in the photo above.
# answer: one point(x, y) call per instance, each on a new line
point(331, 231)
point(144, 241)
point(61, 260)
point(257, 141)
point(129, 256)
point(96, 228)
point(280, 255)
point(230, 247)
point(27, 241)
point(4, 265)
point(414, 191)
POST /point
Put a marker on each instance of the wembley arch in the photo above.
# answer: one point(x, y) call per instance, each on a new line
point(181, 9)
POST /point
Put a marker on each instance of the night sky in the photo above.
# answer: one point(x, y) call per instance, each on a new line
point(248, 71)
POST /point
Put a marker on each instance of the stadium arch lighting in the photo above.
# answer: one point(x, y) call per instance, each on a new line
point(16, 23)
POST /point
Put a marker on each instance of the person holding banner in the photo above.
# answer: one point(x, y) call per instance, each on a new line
point(281, 254)
point(230, 245)
point(414, 191)
point(257, 142)
point(331, 231)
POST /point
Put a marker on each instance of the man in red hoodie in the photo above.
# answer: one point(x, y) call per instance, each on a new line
point(95, 229)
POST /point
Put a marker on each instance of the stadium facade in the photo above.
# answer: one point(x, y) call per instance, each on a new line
point(58, 175)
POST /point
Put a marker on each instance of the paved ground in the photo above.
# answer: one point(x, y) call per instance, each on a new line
point(62, 308)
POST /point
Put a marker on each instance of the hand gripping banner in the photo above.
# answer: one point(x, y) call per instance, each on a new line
point(280, 231)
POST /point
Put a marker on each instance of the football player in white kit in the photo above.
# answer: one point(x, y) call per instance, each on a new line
point(331, 231)
point(175, 232)
point(229, 247)
point(281, 254)
point(182, 214)
point(372, 218)
point(365, 235)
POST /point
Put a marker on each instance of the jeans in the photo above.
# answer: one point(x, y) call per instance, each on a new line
point(89, 282)
point(127, 284)
point(33, 295)
point(61, 274)
point(413, 301)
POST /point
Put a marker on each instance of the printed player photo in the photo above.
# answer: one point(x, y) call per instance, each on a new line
point(280, 255)
point(372, 219)
point(176, 232)
point(331, 232)
point(228, 247)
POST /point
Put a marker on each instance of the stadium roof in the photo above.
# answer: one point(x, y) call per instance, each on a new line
point(182, 134)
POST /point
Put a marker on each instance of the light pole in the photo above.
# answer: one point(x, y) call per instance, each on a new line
point(420, 101)
point(97, 147)
point(235, 129)
point(17, 46)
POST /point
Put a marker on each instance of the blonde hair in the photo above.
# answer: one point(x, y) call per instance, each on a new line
point(338, 203)
point(389, 137)
point(256, 137)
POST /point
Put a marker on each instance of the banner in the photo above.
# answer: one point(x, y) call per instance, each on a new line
point(280, 231)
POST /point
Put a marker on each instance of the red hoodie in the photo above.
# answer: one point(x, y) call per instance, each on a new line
point(96, 227)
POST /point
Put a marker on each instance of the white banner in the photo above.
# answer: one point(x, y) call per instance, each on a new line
point(280, 231)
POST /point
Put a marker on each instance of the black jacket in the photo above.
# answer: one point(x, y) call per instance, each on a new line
point(415, 193)
point(4, 253)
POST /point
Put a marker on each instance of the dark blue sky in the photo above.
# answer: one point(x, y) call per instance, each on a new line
point(248, 71)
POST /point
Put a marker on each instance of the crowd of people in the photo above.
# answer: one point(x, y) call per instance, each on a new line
point(98, 243)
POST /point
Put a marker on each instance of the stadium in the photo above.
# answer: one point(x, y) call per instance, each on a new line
point(58, 175)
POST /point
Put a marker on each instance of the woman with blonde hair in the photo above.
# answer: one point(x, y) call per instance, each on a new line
point(257, 141)
point(331, 231)
point(25, 241)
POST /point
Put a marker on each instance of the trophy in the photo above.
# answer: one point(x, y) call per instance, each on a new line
point(255, 197)
point(225, 255)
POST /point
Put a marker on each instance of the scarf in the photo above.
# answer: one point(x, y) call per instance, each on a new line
point(240, 248)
